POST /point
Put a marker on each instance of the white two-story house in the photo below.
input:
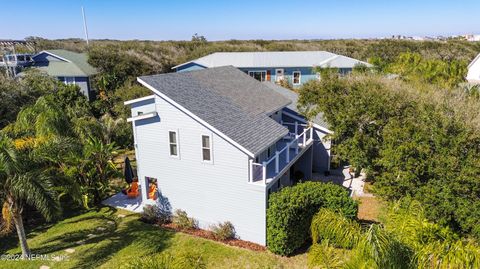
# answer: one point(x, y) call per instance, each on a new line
point(217, 142)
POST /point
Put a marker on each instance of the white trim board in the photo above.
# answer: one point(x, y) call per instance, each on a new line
point(129, 102)
point(142, 117)
point(195, 117)
point(51, 54)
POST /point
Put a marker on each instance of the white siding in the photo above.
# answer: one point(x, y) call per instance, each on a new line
point(210, 192)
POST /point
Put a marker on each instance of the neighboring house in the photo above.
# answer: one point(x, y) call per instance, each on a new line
point(297, 67)
point(14, 63)
point(68, 67)
point(218, 147)
point(473, 75)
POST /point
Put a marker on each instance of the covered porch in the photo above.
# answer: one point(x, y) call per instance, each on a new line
point(288, 151)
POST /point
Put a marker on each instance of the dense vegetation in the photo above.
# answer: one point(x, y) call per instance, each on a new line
point(405, 240)
point(414, 140)
point(54, 154)
point(180, 51)
point(290, 212)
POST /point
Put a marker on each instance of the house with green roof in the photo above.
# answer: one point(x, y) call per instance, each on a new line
point(67, 66)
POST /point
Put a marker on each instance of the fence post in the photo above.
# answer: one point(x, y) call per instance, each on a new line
point(296, 128)
point(304, 138)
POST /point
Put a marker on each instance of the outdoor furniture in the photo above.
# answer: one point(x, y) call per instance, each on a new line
point(133, 192)
point(152, 192)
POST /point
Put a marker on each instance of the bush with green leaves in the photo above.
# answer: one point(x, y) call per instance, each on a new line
point(223, 231)
point(183, 221)
point(290, 212)
point(155, 214)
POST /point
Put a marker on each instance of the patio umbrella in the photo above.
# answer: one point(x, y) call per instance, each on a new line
point(128, 171)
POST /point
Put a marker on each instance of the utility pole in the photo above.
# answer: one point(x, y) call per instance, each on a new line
point(85, 25)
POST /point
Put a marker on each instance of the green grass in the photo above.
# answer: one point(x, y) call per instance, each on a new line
point(128, 239)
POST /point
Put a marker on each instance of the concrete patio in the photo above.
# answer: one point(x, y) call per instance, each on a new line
point(341, 176)
point(121, 201)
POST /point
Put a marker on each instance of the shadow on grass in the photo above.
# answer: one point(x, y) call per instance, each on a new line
point(145, 236)
point(107, 243)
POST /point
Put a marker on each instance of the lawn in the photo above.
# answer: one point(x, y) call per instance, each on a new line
point(104, 239)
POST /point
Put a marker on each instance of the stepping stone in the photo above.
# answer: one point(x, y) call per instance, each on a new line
point(121, 216)
point(101, 229)
point(80, 242)
point(110, 222)
point(44, 267)
point(91, 235)
point(70, 250)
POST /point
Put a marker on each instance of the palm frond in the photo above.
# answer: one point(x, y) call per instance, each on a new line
point(36, 190)
point(336, 228)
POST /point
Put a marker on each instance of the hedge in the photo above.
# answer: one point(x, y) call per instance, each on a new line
point(290, 212)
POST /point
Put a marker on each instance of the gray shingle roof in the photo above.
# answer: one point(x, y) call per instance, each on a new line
point(229, 100)
point(293, 96)
point(277, 59)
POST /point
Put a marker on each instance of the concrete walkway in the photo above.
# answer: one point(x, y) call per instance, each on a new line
point(341, 176)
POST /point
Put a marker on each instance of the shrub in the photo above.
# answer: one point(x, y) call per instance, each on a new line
point(154, 214)
point(291, 210)
point(223, 231)
point(335, 228)
point(169, 261)
point(182, 221)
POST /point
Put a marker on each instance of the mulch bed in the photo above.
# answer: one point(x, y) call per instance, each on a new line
point(209, 235)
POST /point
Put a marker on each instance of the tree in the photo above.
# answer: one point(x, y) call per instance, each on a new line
point(413, 140)
point(92, 169)
point(24, 181)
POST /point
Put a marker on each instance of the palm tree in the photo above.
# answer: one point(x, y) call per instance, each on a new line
point(23, 181)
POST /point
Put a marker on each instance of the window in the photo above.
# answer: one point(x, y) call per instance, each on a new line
point(296, 77)
point(69, 80)
point(173, 143)
point(258, 75)
point(206, 148)
point(139, 113)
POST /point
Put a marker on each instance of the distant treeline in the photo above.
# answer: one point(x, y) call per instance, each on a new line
point(179, 51)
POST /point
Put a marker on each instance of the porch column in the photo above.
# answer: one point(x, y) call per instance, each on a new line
point(250, 166)
point(276, 161)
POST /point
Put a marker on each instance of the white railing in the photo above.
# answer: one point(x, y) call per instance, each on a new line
point(259, 170)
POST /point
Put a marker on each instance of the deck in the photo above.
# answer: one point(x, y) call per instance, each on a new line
point(267, 171)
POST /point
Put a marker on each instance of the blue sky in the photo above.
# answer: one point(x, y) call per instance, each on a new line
point(241, 19)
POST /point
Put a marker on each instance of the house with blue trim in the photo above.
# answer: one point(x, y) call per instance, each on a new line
point(216, 143)
point(67, 66)
point(296, 67)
